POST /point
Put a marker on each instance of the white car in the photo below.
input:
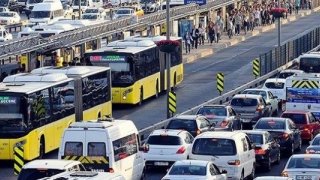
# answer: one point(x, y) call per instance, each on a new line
point(289, 72)
point(272, 178)
point(92, 16)
point(7, 18)
point(268, 97)
point(92, 10)
point(124, 12)
point(278, 88)
point(194, 169)
point(165, 146)
point(230, 151)
point(303, 166)
point(37, 169)
point(4, 9)
point(314, 147)
point(4, 35)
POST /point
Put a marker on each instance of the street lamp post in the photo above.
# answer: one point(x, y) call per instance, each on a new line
point(279, 29)
point(168, 55)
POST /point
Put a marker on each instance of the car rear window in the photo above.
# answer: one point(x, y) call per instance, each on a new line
point(296, 118)
point(306, 162)
point(270, 124)
point(316, 141)
point(244, 102)
point(214, 147)
point(256, 138)
point(217, 111)
point(274, 85)
point(73, 149)
point(164, 140)
point(96, 149)
point(189, 125)
point(188, 170)
point(256, 92)
point(27, 174)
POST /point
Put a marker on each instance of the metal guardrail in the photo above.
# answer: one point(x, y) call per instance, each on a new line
point(16, 27)
point(144, 133)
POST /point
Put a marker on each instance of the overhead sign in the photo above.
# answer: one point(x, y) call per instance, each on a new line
point(112, 58)
point(200, 2)
point(8, 100)
point(303, 95)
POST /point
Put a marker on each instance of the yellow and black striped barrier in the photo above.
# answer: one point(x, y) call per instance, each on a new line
point(308, 84)
point(18, 159)
point(94, 163)
point(172, 102)
point(220, 82)
point(256, 67)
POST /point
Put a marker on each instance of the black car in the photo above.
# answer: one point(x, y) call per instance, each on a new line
point(267, 149)
point(223, 116)
point(194, 124)
point(284, 130)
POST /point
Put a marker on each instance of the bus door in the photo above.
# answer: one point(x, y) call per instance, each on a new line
point(162, 57)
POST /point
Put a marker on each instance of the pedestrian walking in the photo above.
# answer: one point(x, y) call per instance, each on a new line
point(230, 28)
point(201, 34)
point(195, 36)
point(238, 22)
point(211, 32)
point(187, 39)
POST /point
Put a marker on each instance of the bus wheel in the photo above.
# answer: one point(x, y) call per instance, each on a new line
point(42, 148)
point(141, 97)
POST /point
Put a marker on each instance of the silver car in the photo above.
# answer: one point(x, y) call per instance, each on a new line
point(303, 166)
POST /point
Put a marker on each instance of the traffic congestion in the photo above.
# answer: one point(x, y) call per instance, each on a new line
point(68, 108)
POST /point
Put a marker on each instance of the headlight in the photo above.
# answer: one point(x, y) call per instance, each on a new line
point(21, 143)
point(126, 92)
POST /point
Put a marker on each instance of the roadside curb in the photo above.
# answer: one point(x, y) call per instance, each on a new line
point(224, 43)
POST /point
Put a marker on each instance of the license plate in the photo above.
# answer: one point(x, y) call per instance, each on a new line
point(246, 120)
point(161, 163)
point(304, 177)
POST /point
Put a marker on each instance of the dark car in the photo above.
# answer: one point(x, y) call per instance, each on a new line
point(267, 149)
point(250, 107)
point(284, 130)
point(223, 116)
point(314, 147)
point(194, 124)
point(305, 121)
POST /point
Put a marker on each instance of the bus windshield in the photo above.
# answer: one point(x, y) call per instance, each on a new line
point(40, 14)
point(11, 114)
point(310, 65)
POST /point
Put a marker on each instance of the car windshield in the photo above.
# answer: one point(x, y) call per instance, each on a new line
point(5, 14)
point(188, 170)
point(316, 141)
point(27, 174)
point(296, 118)
point(40, 14)
point(256, 138)
point(270, 124)
point(189, 125)
point(256, 92)
point(91, 11)
point(34, 1)
point(89, 16)
point(274, 85)
point(305, 162)
point(164, 140)
point(123, 11)
point(214, 146)
point(217, 111)
point(284, 75)
point(244, 102)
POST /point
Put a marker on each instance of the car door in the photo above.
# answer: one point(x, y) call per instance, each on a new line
point(235, 119)
point(314, 123)
point(188, 139)
point(204, 124)
point(250, 156)
point(215, 173)
point(295, 132)
point(266, 110)
point(273, 101)
point(272, 146)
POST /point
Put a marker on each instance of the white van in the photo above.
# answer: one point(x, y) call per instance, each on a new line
point(47, 12)
point(86, 175)
point(230, 151)
point(4, 35)
point(277, 87)
point(104, 145)
point(86, 4)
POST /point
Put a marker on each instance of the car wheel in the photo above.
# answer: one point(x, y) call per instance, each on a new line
point(268, 165)
point(278, 158)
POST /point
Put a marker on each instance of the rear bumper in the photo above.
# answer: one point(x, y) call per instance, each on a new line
point(151, 159)
point(306, 135)
point(262, 160)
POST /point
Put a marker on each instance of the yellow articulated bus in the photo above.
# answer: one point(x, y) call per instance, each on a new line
point(138, 69)
point(35, 109)
point(90, 77)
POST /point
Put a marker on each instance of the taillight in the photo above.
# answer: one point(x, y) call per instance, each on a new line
point(310, 151)
point(198, 131)
point(306, 127)
point(224, 123)
point(181, 150)
point(285, 136)
point(234, 162)
point(145, 148)
point(260, 151)
point(259, 108)
point(111, 170)
point(284, 174)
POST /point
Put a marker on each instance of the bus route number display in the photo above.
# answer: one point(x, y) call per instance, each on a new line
point(110, 58)
point(8, 100)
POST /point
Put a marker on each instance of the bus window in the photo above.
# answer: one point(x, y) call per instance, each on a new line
point(310, 65)
point(63, 100)
point(40, 108)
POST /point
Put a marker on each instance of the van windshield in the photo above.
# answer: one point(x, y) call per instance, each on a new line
point(214, 146)
point(26, 174)
point(274, 85)
point(40, 14)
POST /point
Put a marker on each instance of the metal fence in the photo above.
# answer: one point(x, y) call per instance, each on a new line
point(277, 57)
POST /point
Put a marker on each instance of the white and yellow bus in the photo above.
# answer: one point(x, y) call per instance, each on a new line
point(35, 109)
point(138, 68)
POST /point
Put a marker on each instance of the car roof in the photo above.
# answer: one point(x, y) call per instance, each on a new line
point(50, 164)
point(256, 89)
point(192, 162)
point(291, 71)
point(253, 131)
point(214, 105)
point(273, 118)
point(254, 96)
point(296, 112)
point(276, 80)
point(169, 132)
point(187, 117)
point(305, 156)
point(216, 134)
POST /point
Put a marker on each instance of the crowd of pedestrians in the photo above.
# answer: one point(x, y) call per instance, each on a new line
point(244, 19)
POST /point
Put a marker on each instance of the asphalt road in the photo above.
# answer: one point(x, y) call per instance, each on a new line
point(199, 83)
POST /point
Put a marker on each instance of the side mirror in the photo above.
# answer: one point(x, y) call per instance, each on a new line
point(253, 145)
point(268, 103)
point(144, 148)
point(224, 171)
